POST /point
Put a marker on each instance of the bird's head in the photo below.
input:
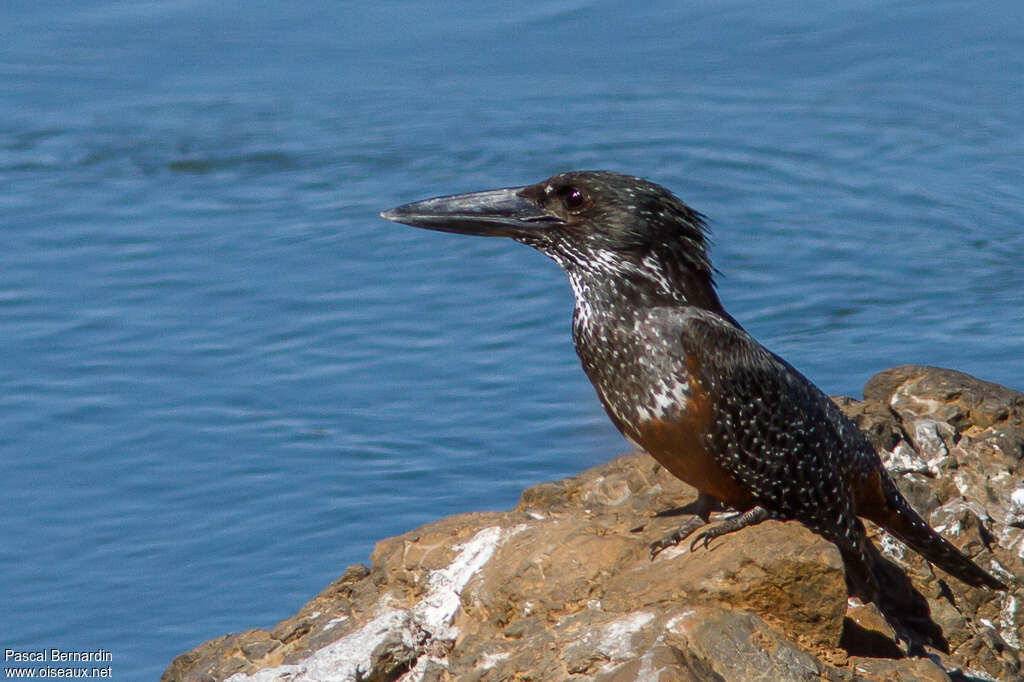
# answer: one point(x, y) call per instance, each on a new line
point(595, 224)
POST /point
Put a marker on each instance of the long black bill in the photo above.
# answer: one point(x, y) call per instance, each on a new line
point(494, 213)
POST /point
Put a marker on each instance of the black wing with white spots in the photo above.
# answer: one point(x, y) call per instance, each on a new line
point(798, 453)
point(776, 432)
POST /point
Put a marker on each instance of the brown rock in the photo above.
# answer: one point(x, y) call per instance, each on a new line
point(909, 670)
point(562, 587)
point(866, 632)
point(962, 401)
point(739, 646)
point(779, 571)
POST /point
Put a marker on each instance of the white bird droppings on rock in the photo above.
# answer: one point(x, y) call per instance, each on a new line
point(673, 622)
point(891, 547)
point(928, 437)
point(346, 659)
point(617, 636)
point(434, 613)
point(334, 621)
point(1006, 619)
point(903, 458)
point(488, 661)
point(1015, 513)
point(428, 622)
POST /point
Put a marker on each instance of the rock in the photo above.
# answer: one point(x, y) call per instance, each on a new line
point(562, 586)
point(962, 401)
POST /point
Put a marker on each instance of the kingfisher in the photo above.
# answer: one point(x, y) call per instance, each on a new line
point(680, 377)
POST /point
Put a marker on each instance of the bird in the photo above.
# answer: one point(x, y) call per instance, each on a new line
point(682, 379)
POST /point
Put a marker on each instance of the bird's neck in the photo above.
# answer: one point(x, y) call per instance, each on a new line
point(610, 292)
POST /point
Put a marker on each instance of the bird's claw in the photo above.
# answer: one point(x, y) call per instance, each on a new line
point(675, 537)
point(658, 546)
point(704, 538)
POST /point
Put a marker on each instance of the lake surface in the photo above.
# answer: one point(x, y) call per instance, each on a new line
point(223, 377)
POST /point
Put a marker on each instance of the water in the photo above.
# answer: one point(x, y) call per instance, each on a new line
point(223, 378)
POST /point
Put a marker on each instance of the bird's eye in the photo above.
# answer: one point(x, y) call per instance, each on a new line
point(574, 199)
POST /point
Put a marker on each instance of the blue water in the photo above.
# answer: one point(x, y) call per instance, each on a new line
point(223, 377)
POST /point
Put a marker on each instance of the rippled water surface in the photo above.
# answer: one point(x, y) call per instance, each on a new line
point(223, 377)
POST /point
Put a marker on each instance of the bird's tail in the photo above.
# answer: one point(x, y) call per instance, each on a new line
point(899, 518)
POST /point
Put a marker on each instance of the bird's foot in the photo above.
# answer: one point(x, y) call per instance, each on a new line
point(677, 536)
point(701, 508)
point(751, 517)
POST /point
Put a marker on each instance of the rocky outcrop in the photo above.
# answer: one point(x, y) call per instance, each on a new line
point(562, 586)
